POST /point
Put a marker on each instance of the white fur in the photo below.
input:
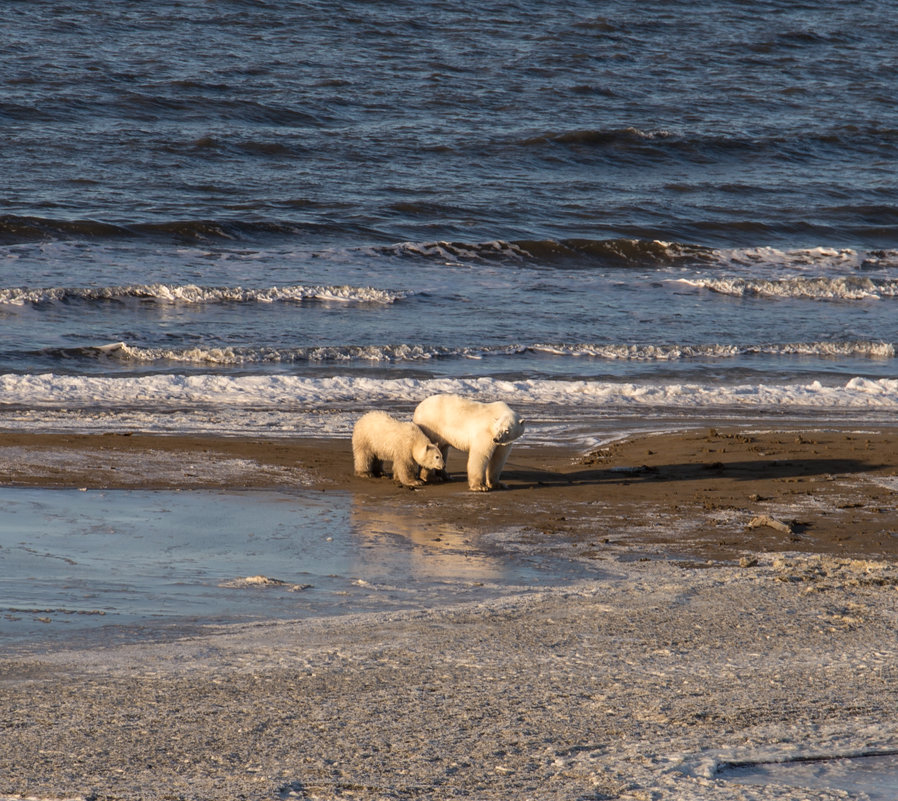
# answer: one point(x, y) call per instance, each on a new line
point(378, 437)
point(484, 430)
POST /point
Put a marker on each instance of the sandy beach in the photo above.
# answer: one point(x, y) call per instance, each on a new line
point(749, 616)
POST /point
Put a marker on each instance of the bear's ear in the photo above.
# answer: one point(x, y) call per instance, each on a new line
point(522, 420)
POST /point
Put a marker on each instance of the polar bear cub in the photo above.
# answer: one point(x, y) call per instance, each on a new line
point(484, 430)
point(378, 437)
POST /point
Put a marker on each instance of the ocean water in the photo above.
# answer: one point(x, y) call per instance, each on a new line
point(258, 217)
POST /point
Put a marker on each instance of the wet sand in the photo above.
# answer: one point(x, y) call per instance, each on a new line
point(694, 492)
point(750, 617)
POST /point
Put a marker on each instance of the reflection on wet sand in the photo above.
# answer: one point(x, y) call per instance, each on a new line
point(443, 550)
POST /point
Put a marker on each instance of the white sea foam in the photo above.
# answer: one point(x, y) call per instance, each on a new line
point(234, 356)
point(456, 253)
point(281, 394)
point(648, 352)
point(231, 356)
point(816, 288)
point(844, 257)
point(193, 294)
point(803, 259)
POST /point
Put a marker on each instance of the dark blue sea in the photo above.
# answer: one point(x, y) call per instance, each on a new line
point(290, 212)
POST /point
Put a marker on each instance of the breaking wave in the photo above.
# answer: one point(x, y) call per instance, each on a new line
point(645, 252)
point(192, 294)
point(564, 252)
point(819, 288)
point(241, 356)
point(873, 350)
point(159, 393)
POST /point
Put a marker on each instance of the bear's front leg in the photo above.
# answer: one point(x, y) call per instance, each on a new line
point(496, 465)
point(478, 462)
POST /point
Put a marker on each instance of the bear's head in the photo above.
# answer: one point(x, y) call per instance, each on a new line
point(429, 456)
point(507, 427)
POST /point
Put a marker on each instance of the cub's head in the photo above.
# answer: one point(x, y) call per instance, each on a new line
point(507, 427)
point(430, 457)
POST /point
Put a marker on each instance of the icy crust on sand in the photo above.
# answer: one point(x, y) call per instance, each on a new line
point(644, 686)
point(150, 468)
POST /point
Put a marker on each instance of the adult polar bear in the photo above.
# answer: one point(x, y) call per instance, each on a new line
point(484, 430)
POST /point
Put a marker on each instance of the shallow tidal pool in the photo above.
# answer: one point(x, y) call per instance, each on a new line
point(77, 561)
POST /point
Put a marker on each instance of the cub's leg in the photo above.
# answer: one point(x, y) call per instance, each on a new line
point(366, 463)
point(405, 471)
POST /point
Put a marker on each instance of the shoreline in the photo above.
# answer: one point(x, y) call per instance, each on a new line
point(710, 493)
point(712, 641)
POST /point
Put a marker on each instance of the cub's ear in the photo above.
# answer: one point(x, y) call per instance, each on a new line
point(522, 420)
